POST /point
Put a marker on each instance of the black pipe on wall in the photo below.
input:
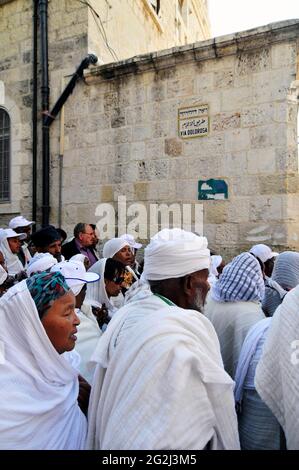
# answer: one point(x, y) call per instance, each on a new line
point(45, 91)
point(89, 59)
point(34, 111)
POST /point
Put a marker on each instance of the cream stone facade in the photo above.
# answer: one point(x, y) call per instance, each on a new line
point(125, 140)
point(120, 129)
point(127, 27)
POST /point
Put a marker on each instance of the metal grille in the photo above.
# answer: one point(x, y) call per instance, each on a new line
point(4, 155)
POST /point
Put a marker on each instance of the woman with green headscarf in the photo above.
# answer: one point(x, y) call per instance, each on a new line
point(39, 383)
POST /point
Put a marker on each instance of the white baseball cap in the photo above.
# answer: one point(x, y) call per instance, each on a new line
point(75, 274)
point(9, 233)
point(263, 252)
point(19, 221)
point(131, 241)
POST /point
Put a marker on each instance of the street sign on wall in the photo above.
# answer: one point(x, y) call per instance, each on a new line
point(193, 121)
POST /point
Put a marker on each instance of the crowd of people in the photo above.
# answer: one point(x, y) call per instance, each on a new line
point(175, 351)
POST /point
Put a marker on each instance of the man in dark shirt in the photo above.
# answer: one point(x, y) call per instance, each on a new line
point(82, 243)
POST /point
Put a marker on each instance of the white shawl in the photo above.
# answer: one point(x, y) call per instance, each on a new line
point(88, 336)
point(13, 263)
point(38, 386)
point(277, 374)
point(160, 382)
point(232, 321)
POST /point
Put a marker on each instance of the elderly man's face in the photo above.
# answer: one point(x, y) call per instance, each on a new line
point(87, 238)
point(199, 287)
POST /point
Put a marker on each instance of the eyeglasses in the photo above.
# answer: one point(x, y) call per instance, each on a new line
point(118, 280)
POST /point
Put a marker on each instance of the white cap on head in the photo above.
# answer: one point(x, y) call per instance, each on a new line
point(19, 221)
point(9, 233)
point(131, 241)
point(263, 252)
point(174, 253)
point(75, 274)
point(40, 262)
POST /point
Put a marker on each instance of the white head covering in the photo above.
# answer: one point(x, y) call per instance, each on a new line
point(13, 263)
point(79, 257)
point(75, 274)
point(216, 260)
point(174, 253)
point(40, 262)
point(112, 246)
point(263, 252)
point(96, 294)
point(42, 386)
point(241, 280)
point(131, 241)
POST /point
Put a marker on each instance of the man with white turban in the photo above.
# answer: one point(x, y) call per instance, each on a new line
point(160, 382)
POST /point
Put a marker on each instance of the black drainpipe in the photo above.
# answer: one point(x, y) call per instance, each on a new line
point(89, 59)
point(34, 112)
point(45, 91)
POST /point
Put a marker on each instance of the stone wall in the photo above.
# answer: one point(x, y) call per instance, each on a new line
point(72, 33)
point(67, 25)
point(125, 139)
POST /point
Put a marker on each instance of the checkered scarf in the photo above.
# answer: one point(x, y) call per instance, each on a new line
point(241, 280)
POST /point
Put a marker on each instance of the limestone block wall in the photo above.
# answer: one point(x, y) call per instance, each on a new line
point(67, 27)
point(125, 140)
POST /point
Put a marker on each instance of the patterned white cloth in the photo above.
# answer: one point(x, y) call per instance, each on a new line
point(241, 280)
point(277, 374)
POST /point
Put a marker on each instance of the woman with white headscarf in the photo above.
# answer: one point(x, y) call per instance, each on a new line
point(285, 277)
point(234, 305)
point(10, 246)
point(39, 380)
point(97, 310)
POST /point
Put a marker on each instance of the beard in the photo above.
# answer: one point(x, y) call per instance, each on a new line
point(198, 301)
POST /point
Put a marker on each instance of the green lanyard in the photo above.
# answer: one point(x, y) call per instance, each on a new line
point(167, 301)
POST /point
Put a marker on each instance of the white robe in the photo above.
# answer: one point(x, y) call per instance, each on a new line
point(38, 386)
point(277, 373)
point(232, 321)
point(160, 382)
point(88, 336)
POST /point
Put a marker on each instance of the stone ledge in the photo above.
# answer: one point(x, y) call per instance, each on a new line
point(221, 46)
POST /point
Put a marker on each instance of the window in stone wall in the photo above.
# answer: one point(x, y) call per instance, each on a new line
point(156, 5)
point(4, 156)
